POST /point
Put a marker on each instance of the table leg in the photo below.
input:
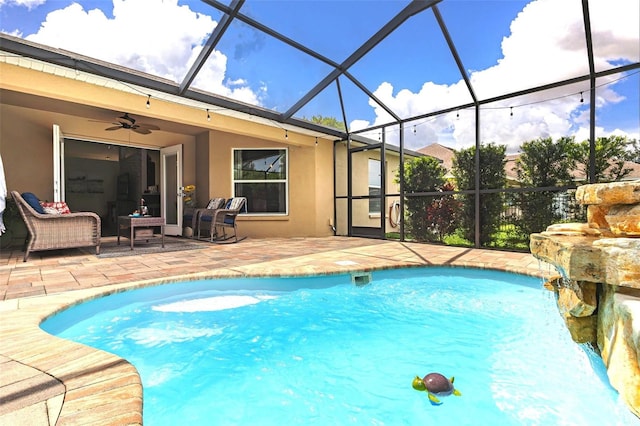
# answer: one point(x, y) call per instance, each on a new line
point(118, 226)
point(132, 228)
point(162, 232)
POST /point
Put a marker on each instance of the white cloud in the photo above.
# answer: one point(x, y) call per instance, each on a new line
point(237, 82)
point(29, 4)
point(147, 35)
point(533, 54)
point(151, 35)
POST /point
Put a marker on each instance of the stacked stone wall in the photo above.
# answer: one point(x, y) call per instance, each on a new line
point(598, 292)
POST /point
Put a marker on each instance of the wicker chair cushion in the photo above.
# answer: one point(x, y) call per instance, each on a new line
point(213, 203)
point(60, 206)
point(234, 203)
point(33, 201)
point(51, 210)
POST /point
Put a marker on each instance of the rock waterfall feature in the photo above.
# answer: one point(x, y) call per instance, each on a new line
point(598, 286)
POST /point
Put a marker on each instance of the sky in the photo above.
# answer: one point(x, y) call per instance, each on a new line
point(504, 46)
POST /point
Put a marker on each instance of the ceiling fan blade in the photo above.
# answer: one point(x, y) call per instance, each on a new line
point(114, 128)
point(141, 130)
point(149, 126)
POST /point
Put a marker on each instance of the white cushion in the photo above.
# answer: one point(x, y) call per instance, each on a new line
point(51, 210)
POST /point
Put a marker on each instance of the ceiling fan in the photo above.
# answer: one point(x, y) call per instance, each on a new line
point(127, 122)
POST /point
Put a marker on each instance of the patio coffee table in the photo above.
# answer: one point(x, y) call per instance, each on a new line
point(144, 222)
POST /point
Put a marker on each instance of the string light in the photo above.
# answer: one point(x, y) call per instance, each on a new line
point(316, 140)
point(148, 103)
point(286, 134)
point(623, 77)
point(414, 129)
point(208, 115)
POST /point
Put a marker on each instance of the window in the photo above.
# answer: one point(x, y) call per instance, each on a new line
point(261, 175)
point(374, 186)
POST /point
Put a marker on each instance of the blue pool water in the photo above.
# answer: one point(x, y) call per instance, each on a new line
point(321, 350)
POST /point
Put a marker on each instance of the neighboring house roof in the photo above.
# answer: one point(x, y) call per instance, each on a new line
point(442, 153)
point(510, 168)
point(635, 173)
point(446, 154)
point(580, 175)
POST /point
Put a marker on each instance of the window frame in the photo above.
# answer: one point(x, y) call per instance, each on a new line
point(285, 180)
point(374, 198)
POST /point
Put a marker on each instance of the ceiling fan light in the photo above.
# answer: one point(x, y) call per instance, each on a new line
point(125, 120)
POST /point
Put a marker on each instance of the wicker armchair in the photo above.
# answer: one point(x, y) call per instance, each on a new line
point(53, 232)
point(222, 219)
point(191, 215)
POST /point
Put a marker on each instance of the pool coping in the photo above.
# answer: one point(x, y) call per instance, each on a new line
point(70, 383)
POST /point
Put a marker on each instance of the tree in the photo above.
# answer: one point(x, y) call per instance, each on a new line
point(546, 163)
point(327, 121)
point(611, 153)
point(443, 213)
point(543, 163)
point(422, 174)
point(633, 151)
point(492, 176)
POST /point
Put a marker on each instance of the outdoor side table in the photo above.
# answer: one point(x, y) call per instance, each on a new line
point(144, 225)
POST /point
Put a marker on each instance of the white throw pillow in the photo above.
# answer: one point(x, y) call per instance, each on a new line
point(51, 210)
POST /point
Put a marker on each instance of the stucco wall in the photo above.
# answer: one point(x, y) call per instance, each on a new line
point(32, 101)
point(310, 185)
point(27, 148)
point(202, 168)
point(27, 152)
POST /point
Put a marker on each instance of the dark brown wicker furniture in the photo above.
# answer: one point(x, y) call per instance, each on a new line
point(145, 226)
point(191, 215)
point(221, 220)
point(58, 231)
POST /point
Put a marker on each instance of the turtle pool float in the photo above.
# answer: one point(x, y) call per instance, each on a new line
point(435, 385)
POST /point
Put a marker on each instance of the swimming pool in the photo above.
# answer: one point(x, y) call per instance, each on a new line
point(321, 350)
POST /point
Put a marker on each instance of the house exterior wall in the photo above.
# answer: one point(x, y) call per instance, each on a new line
point(202, 169)
point(27, 149)
point(310, 194)
point(27, 152)
point(36, 100)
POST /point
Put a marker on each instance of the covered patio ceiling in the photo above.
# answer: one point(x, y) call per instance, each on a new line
point(347, 80)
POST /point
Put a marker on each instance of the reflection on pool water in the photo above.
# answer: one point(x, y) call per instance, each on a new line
point(321, 350)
